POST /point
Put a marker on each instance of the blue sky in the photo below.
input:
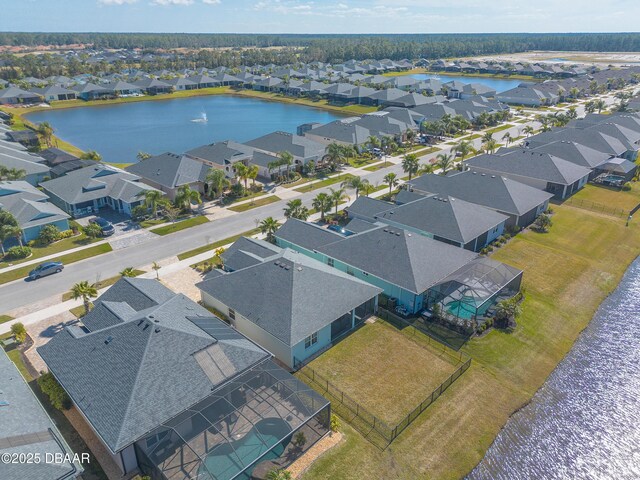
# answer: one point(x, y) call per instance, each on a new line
point(321, 16)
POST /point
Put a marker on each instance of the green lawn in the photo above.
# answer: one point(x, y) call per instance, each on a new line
point(66, 259)
point(360, 162)
point(16, 358)
point(5, 318)
point(610, 198)
point(500, 128)
point(219, 243)
point(152, 222)
point(324, 183)
point(57, 247)
point(374, 168)
point(255, 204)
point(177, 226)
point(417, 370)
point(77, 311)
point(568, 272)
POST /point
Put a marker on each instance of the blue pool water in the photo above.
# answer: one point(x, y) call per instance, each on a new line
point(498, 84)
point(119, 132)
point(463, 308)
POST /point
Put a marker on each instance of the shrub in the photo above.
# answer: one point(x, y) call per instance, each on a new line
point(48, 234)
point(513, 230)
point(626, 187)
point(92, 230)
point(549, 211)
point(299, 439)
point(484, 251)
point(335, 422)
point(18, 331)
point(542, 224)
point(489, 248)
point(237, 190)
point(57, 395)
point(506, 236)
point(139, 213)
point(17, 253)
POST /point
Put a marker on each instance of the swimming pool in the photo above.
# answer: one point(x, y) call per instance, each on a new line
point(227, 460)
point(464, 308)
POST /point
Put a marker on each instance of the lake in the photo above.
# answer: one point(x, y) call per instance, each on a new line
point(584, 423)
point(498, 84)
point(118, 132)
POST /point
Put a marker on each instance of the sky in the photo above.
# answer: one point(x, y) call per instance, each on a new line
point(320, 16)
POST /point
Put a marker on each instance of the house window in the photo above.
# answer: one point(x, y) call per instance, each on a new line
point(330, 262)
point(311, 340)
point(232, 314)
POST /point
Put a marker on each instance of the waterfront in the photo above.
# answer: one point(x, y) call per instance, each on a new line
point(499, 84)
point(584, 422)
point(119, 132)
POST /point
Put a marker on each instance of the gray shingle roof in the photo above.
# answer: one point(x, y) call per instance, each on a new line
point(170, 170)
point(531, 164)
point(307, 235)
point(130, 377)
point(246, 252)
point(296, 145)
point(222, 153)
point(288, 294)
point(28, 205)
point(575, 153)
point(492, 191)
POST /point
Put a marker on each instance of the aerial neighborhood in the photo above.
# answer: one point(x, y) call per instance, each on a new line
point(302, 273)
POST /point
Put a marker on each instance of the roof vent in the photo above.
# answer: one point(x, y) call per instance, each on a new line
point(483, 174)
point(445, 200)
point(157, 330)
point(108, 340)
point(385, 229)
point(286, 267)
point(299, 269)
point(277, 262)
point(151, 316)
point(397, 234)
point(493, 176)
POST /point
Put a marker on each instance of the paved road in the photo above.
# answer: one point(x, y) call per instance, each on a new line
point(19, 293)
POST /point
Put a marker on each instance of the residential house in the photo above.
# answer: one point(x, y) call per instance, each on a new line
point(15, 95)
point(223, 155)
point(30, 208)
point(521, 203)
point(527, 96)
point(33, 167)
point(538, 169)
point(153, 86)
point(55, 93)
point(302, 148)
point(27, 431)
point(343, 132)
point(278, 298)
point(85, 191)
point(91, 91)
point(172, 391)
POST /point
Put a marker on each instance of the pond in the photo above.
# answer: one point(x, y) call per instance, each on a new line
point(498, 84)
point(118, 132)
point(584, 421)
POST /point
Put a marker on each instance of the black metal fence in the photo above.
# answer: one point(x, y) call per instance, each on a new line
point(371, 427)
point(596, 207)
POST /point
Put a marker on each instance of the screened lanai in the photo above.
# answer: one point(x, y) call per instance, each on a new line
point(470, 292)
point(245, 428)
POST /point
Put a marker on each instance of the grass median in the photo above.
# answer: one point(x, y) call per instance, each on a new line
point(219, 243)
point(66, 259)
point(177, 226)
point(568, 272)
point(255, 204)
point(324, 183)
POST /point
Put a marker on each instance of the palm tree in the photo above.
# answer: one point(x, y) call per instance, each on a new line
point(156, 266)
point(600, 104)
point(252, 173)
point(143, 155)
point(287, 159)
point(336, 154)
point(528, 130)
point(322, 203)
point(11, 173)
point(151, 199)
point(445, 162)
point(337, 196)
point(128, 272)
point(276, 164)
point(216, 181)
point(91, 155)
point(242, 172)
point(45, 130)
point(366, 188)
point(410, 164)
point(507, 138)
point(279, 474)
point(186, 197)
point(490, 146)
point(464, 148)
point(85, 291)
point(372, 142)
point(295, 209)
point(355, 183)
point(13, 231)
point(269, 226)
point(5, 234)
point(486, 137)
point(391, 179)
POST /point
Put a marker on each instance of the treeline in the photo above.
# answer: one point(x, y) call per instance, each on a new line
point(340, 47)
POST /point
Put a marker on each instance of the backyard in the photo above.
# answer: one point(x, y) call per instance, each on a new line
point(568, 272)
point(397, 375)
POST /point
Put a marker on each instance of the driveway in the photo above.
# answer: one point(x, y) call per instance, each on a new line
point(121, 222)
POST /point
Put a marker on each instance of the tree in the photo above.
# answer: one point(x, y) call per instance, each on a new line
point(187, 196)
point(252, 173)
point(269, 226)
point(295, 209)
point(128, 272)
point(58, 397)
point(543, 223)
point(242, 172)
point(13, 231)
point(444, 162)
point(337, 196)
point(590, 106)
point(279, 474)
point(410, 164)
point(91, 155)
point(322, 203)
point(287, 160)
point(372, 142)
point(366, 188)
point(86, 292)
point(391, 179)
point(600, 105)
point(45, 130)
point(486, 137)
point(156, 267)
point(507, 138)
point(506, 312)
point(355, 183)
point(143, 155)
point(152, 199)
point(92, 230)
point(11, 173)
point(18, 331)
point(216, 181)
point(336, 154)
point(464, 148)
point(49, 234)
point(490, 146)
point(528, 130)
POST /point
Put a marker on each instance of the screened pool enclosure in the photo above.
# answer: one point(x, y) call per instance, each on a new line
point(263, 419)
point(470, 293)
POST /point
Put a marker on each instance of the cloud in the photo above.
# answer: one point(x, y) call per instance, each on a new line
point(171, 2)
point(211, 2)
point(116, 2)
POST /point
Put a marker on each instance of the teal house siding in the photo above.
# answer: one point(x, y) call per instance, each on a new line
point(32, 233)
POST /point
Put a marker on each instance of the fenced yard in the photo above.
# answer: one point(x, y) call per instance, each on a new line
point(379, 379)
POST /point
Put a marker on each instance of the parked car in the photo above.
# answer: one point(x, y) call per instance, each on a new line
point(105, 225)
point(44, 269)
